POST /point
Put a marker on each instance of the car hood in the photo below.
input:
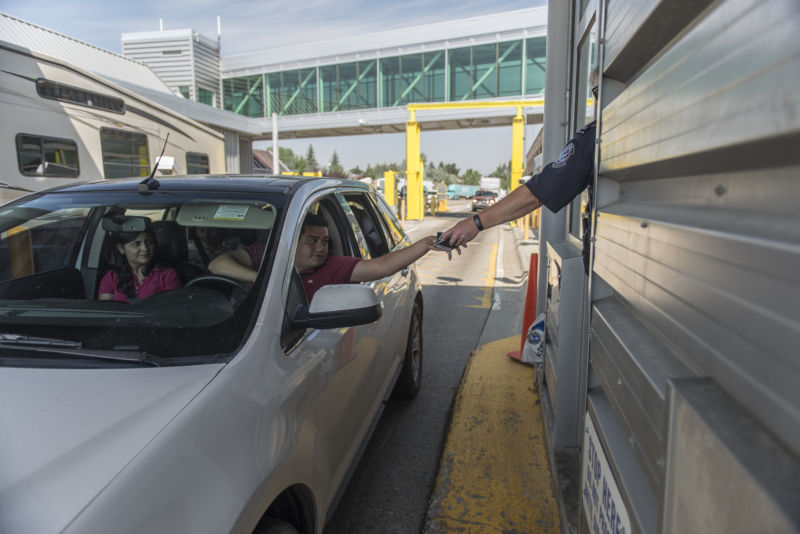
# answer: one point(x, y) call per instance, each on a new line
point(66, 433)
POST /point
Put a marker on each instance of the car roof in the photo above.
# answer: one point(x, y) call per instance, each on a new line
point(243, 183)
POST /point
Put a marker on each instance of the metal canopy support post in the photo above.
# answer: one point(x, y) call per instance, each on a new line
point(414, 200)
point(414, 166)
point(517, 146)
point(275, 169)
point(389, 189)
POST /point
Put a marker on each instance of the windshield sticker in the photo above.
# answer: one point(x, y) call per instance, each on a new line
point(230, 212)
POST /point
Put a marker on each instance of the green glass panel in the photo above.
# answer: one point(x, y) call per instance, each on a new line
point(347, 96)
point(535, 65)
point(184, 89)
point(244, 95)
point(204, 96)
point(484, 68)
point(292, 92)
point(329, 80)
point(411, 79)
point(368, 84)
point(434, 76)
point(509, 69)
point(460, 60)
point(390, 81)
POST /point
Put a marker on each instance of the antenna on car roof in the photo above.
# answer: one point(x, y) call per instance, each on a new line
point(150, 183)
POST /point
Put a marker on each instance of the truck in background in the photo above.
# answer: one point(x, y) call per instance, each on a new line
point(490, 183)
point(461, 191)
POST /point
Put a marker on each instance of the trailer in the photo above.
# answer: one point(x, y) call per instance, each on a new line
point(62, 124)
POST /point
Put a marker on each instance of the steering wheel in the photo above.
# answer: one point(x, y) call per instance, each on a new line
point(234, 290)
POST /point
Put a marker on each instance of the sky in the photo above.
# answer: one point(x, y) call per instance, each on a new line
point(248, 26)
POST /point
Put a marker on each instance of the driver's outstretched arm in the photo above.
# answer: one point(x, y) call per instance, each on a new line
point(234, 264)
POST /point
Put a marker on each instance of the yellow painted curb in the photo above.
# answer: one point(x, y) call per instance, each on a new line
point(494, 475)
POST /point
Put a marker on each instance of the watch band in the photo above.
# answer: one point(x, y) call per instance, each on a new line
point(477, 221)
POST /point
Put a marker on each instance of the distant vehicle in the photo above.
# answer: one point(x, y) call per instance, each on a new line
point(490, 183)
point(216, 407)
point(62, 124)
point(483, 199)
point(461, 191)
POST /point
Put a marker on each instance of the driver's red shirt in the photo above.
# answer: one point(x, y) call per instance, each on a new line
point(335, 270)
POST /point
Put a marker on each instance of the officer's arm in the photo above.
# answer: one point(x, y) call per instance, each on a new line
point(513, 206)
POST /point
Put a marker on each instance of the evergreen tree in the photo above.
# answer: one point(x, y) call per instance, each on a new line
point(336, 170)
point(311, 161)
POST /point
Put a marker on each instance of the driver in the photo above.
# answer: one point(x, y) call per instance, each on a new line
point(316, 268)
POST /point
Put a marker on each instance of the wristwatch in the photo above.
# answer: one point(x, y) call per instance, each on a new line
point(477, 221)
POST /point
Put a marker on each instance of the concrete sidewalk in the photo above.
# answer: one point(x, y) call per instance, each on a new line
point(494, 475)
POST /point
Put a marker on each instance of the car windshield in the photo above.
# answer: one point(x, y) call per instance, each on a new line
point(485, 194)
point(127, 272)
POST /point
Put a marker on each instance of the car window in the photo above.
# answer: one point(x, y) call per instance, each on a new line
point(41, 243)
point(396, 233)
point(369, 223)
point(56, 261)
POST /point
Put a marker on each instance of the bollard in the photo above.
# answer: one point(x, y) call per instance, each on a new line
point(529, 313)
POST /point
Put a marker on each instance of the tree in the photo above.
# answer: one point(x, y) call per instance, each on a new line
point(471, 177)
point(503, 171)
point(311, 161)
point(335, 169)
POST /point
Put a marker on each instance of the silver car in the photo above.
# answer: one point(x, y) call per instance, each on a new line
point(217, 406)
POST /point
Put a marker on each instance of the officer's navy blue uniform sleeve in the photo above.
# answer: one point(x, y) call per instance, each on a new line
point(562, 180)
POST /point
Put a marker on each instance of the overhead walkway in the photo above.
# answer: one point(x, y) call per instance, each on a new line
point(362, 84)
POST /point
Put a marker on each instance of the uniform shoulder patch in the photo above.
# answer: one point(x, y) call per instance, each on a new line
point(564, 156)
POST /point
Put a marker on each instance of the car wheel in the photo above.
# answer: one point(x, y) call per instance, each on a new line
point(273, 525)
point(410, 378)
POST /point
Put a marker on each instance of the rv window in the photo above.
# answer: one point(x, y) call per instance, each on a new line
point(124, 153)
point(196, 163)
point(47, 156)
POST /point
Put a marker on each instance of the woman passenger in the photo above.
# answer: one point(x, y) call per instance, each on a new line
point(135, 272)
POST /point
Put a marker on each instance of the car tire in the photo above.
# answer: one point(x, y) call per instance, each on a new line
point(273, 525)
point(410, 379)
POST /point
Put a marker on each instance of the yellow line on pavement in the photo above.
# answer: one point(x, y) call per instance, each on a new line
point(486, 298)
point(494, 474)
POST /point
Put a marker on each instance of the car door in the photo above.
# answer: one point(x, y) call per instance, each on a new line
point(347, 392)
point(392, 291)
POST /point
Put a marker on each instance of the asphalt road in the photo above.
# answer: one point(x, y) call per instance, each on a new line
point(391, 485)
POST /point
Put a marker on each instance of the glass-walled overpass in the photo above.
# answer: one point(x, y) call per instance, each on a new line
point(373, 77)
point(496, 70)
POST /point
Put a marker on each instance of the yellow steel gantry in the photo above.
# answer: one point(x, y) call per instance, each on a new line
point(415, 202)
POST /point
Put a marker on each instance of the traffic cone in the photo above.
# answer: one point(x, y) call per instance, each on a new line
point(529, 314)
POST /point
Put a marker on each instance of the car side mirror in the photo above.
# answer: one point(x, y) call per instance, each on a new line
point(338, 306)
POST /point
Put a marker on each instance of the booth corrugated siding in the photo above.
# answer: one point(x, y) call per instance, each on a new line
point(700, 249)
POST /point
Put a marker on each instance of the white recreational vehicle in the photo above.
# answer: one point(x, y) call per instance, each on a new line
point(62, 124)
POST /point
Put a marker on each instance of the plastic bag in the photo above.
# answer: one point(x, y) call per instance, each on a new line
point(533, 349)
